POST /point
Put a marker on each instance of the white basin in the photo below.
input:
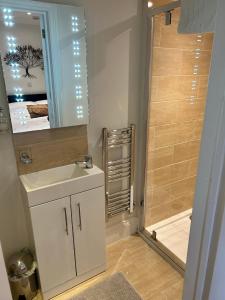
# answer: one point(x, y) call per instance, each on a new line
point(51, 176)
point(56, 183)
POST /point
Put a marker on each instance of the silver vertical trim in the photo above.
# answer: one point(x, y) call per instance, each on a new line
point(66, 220)
point(105, 165)
point(132, 168)
point(80, 220)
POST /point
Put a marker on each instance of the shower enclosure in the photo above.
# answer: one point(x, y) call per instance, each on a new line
point(179, 69)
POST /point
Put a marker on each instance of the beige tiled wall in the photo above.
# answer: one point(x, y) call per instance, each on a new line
point(180, 68)
point(51, 148)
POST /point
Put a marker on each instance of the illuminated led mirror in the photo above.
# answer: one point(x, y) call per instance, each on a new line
point(43, 55)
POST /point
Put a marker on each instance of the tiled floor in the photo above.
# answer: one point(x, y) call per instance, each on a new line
point(173, 233)
point(148, 272)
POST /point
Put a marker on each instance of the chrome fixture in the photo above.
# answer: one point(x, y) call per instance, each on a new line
point(119, 171)
point(22, 271)
point(87, 163)
point(25, 158)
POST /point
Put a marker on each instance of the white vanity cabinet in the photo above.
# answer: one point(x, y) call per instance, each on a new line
point(67, 221)
point(53, 238)
point(69, 237)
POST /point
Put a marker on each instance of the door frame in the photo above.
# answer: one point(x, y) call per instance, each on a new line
point(208, 196)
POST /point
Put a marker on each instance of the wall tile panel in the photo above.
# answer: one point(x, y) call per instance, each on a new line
point(178, 91)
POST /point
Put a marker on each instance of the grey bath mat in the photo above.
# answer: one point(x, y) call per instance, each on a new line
point(114, 288)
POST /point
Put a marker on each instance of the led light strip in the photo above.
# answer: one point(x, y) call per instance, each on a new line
point(8, 17)
point(79, 110)
point(78, 92)
point(11, 42)
point(77, 70)
point(75, 24)
point(76, 48)
point(19, 94)
point(22, 117)
point(15, 71)
point(21, 114)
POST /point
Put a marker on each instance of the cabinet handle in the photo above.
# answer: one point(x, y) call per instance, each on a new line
point(80, 222)
point(66, 220)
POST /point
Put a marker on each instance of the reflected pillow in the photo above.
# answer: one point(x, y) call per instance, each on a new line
point(38, 110)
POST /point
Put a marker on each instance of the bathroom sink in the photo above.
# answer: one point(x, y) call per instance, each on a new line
point(56, 183)
point(52, 176)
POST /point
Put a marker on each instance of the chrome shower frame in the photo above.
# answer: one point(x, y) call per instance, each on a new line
point(149, 14)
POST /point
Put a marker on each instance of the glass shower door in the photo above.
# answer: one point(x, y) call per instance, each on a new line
point(178, 89)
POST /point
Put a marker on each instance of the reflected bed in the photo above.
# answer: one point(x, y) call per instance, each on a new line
point(23, 121)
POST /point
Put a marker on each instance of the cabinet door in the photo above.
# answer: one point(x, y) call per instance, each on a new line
point(53, 237)
point(88, 213)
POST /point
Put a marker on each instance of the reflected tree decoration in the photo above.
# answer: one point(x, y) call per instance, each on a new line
point(26, 57)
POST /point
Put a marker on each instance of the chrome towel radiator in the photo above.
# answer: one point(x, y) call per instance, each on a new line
point(118, 162)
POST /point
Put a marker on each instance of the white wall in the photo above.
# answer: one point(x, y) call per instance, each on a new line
point(5, 292)
point(25, 34)
point(113, 40)
point(13, 233)
point(114, 35)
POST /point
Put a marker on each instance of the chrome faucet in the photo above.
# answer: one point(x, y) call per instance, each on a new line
point(87, 163)
point(25, 158)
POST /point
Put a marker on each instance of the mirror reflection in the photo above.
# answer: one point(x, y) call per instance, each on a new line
point(43, 56)
point(23, 67)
